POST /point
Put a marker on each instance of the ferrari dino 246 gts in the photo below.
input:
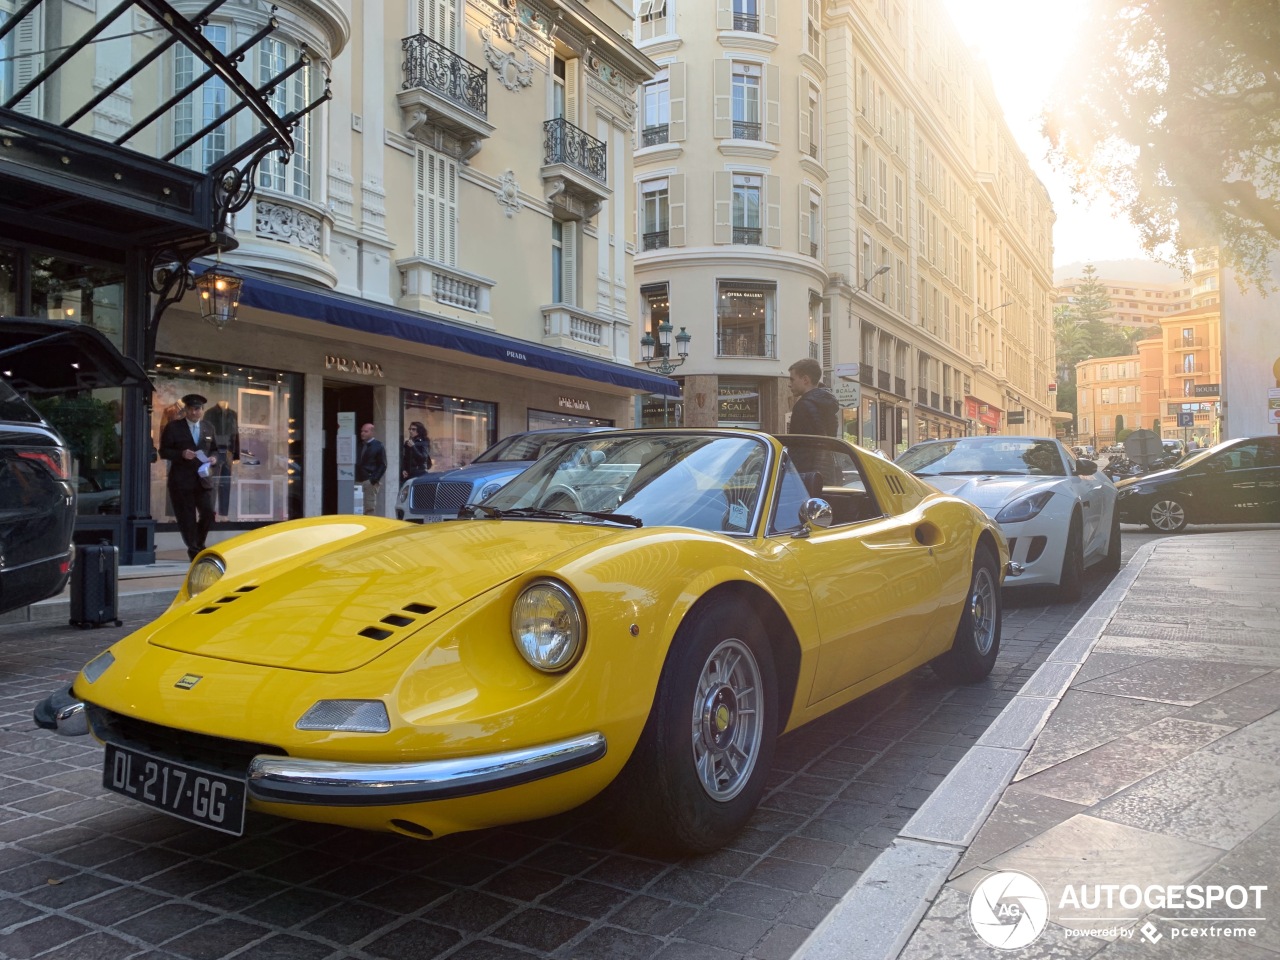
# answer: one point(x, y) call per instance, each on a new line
point(648, 607)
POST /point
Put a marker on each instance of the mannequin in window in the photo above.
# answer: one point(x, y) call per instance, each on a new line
point(225, 424)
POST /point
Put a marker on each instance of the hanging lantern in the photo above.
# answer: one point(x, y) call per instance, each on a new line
point(219, 295)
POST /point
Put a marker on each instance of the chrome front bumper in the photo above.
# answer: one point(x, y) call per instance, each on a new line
point(336, 784)
point(1012, 569)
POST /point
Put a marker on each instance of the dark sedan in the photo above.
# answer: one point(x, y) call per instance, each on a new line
point(37, 505)
point(1235, 482)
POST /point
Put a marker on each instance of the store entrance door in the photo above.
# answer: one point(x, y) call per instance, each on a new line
point(340, 397)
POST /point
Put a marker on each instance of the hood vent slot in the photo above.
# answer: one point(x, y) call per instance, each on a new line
point(396, 620)
point(373, 633)
point(417, 608)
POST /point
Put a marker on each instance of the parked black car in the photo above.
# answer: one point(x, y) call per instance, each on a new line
point(1235, 482)
point(37, 482)
point(37, 505)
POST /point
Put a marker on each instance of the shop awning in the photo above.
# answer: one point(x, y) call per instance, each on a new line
point(355, 314)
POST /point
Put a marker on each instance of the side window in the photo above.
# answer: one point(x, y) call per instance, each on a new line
point(791, 494)
point(1269, 453)
point(829, 470)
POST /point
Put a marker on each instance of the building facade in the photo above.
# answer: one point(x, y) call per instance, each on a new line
point(840, 185)
point(450, 241)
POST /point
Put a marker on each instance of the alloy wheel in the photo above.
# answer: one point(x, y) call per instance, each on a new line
point(727, 721)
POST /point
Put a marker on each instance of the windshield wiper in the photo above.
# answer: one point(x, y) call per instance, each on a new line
point(538, 513)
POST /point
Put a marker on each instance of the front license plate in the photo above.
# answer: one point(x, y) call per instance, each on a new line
point(189, 793)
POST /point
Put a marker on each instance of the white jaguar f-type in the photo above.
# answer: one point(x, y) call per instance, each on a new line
point(1058, 513)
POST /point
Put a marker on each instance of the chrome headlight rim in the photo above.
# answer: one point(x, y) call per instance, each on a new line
point(487, 490)
point(204, 573)
point(572, 609)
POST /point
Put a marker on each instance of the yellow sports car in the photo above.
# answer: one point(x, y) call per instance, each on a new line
point(646, 607)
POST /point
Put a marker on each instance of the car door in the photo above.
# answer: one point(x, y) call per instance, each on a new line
point(874, 585)
point(1247, 475)
point(1087, 489)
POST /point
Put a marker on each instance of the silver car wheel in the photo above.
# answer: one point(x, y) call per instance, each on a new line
point(727, 722)
point(1168, 516)
point(982, 610)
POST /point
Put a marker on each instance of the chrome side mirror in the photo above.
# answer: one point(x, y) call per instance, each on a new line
point(814, 512)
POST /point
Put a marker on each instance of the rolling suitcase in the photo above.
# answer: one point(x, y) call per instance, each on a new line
point(94, 581)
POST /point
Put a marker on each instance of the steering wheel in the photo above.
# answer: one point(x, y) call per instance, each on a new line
point(559, 496)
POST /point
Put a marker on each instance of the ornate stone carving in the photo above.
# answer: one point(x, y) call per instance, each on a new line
point(373, 206)
point(509, 193)
point(278, 221)
point(341, 191)
point(513, 67)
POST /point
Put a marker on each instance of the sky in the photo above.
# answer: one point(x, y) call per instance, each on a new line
point(1025, 45)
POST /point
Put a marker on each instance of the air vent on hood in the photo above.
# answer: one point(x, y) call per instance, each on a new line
point(373, 633)
point(396, 620)
point(417, 608)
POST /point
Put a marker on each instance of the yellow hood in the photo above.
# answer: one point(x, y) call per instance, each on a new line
point(338, 612)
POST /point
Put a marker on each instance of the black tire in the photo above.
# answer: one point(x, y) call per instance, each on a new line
point(1071, 580)
point(1111, 562)
point(1166, 515)
point(677, 790)
point(977, 641)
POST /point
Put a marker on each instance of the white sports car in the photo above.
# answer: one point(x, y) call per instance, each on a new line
point(1059, 513)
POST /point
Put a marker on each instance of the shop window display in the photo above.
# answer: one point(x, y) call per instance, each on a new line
point(459, 429)
point(256, 418)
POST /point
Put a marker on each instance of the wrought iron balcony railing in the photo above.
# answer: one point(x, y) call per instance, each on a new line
point(747, 235)
point(654, 135)
point(431, 66)
point(746, 21)
point(746, 130)
point(565, 143)
point(746, 345)
point(656, 240)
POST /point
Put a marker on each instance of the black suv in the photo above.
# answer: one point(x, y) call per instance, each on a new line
point(37, 505)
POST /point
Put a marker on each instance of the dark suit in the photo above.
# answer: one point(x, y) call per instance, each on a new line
point(191, 494)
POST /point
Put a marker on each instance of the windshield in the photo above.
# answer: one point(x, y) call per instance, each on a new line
point(689, 480)
point(1017, 456)
point(523, 446)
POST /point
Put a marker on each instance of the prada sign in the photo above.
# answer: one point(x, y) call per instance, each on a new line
point(573, 403)
point(346, 365)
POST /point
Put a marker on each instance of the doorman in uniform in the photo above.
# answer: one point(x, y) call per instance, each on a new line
point(190, 481)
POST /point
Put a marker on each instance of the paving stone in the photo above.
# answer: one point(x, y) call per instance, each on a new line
point(1083, 721)
point(1210, 798)
point(1172, 681)
point(1017, 817)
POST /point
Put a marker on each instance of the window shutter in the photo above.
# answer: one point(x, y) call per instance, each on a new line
point(773, 211)
point(724, 14)
point(773, 105)
point(803, 100)
point(803, 207)
point(569, 264)
point(419, 203)
point(438, 19)
point(769, 17)
point(723, 188)
point(675, 210)
point(28, 49)
point(450, 203)
point(571, 90)
point(676, 102)
point(722, 126)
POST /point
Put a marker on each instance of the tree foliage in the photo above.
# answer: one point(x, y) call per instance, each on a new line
point(1173, 107)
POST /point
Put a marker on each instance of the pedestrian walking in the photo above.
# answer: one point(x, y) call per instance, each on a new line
point(191, 449)
point(371, 466)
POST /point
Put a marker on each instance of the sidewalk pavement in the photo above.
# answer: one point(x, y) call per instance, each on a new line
point(142, 591)
point(1136, 773)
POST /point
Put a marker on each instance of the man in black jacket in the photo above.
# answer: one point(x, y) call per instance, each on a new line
point(371, 465)
point(190, 447)
point(816, 409)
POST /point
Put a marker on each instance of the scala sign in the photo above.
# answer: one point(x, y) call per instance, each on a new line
point(848, 394)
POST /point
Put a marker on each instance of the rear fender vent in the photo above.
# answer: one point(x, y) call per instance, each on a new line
point(895, 484)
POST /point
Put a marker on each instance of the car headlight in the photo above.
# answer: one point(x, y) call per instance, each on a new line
point(489, 489)
point(404, 495)
point(98, 665)
point(547, 626)
point(1025, 508)
point(204, 573)
point(347, 716)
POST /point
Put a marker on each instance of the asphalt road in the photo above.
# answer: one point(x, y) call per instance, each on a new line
point(84, 873)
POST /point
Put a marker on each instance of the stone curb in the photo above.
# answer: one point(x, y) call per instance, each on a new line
point(131, 604)
point(877, 916)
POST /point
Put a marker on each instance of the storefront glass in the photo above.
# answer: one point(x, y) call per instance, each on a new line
point(739, 403)
point(547, 420)
point(90, 422)
point(256, 418)
point(64, 289)
point(459, 429)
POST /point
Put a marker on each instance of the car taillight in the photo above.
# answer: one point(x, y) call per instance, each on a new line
point(57, 462)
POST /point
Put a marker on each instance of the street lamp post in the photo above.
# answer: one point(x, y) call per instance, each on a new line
point(867, 282)
point(663, 363)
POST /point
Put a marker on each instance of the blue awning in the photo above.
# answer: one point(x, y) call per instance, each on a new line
point(355, 314)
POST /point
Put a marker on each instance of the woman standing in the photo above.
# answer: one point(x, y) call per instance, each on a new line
point(416, 459)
